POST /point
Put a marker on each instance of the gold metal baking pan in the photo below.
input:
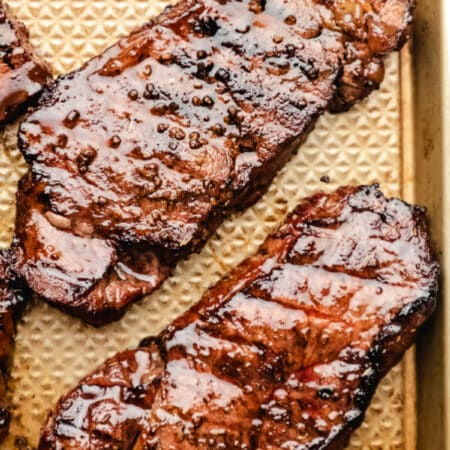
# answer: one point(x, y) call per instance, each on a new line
point(430, 185)
point(373, 142)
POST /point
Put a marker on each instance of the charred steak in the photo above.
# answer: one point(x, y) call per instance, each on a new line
point(12, 302)
point(149, 145)
point(285, 353)
point(22, 73)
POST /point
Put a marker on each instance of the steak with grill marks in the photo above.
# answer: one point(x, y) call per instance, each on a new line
point(152, 143)
point(284, 353)
point(22, 73)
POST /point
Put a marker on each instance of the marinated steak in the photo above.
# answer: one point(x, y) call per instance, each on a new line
point(12, 302)
point(22, 73)
point(189, 118)
point(285, 353)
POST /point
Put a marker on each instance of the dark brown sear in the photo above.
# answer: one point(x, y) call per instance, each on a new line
point(12, 302)
point(189, 118)
point(22, 73)
point(284, 353)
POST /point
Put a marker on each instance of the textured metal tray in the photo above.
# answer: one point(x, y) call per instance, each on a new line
point(372, 143)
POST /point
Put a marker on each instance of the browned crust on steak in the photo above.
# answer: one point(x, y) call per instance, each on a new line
point(284, 353)
point(23, 74)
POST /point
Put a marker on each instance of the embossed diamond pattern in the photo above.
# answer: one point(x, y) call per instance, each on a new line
point(53, 350)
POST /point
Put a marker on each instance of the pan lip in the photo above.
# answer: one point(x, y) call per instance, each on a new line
point(431, 171)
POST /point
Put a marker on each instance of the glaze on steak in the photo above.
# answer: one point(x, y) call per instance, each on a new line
point(12, 302)
point(152, 143)
point(22, 73)
point(285, 353)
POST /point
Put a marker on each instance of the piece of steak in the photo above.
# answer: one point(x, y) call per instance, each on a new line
point(12, 302)
point(189, 118)
point(284, 353)
point(23, 74)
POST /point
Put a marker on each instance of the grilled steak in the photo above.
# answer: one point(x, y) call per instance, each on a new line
point(285, 353)
point(153, 142)
point(22, 73)
point(12, 301)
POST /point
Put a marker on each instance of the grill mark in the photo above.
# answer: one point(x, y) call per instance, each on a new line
point(291, 302)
